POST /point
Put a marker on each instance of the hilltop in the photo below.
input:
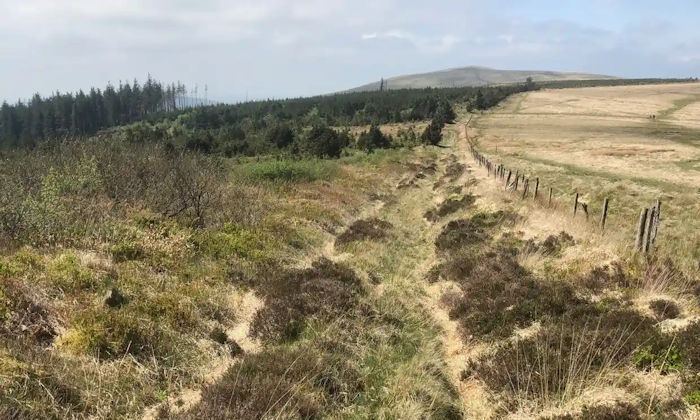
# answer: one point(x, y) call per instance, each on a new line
point(476, 76)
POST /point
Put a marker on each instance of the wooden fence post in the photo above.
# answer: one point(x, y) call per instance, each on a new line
point(604, 215)
point(575, 204)
point(657, 219)
point(517, 178)
point(650, 229)
point(525, 188)
point(510, 173)
point(549, 203)
point(640, 229)
point(537, 187)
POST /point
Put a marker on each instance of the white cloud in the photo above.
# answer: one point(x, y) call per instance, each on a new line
point(426, 44)
point(285, 47)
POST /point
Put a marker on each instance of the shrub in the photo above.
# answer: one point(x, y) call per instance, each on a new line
point(289, 171)
point(108, 334)
point(454, 170)
point(552, 245)
point(67, 272)
point(326, 290)
point(324, 142)
point(127, 251)
point(561, 361)
point(363, 230)
point(280, 382)
point(280, 135)
point(433, 133)
point(373, 139)
point(655, 356)
point(192, 188)
point(500, 295)
point(689, 343)
point(230, 241)
point(26, 314)
point(449, 206)
point(693, 398)
point(619, 411)
point(468, 232)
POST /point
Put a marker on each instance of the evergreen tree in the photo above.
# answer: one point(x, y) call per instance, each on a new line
point(433, 133)
point(373, 139)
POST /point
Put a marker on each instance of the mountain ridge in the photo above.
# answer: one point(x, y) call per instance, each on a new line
point(474, 76)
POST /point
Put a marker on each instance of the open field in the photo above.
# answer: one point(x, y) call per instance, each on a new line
point(603, 142)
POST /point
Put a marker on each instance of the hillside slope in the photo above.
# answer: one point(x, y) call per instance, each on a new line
point(475, 76)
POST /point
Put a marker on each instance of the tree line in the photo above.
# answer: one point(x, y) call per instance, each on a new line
point(83, 114)
point(157, 111)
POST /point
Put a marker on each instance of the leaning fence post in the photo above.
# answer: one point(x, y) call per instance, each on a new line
point(525, 188)
point(517, 178)
point(604, 215)
point(575, 204)
point(650, 229)
point(640, 229)
point(510, 173)
point(537, 187)
point(657, 219)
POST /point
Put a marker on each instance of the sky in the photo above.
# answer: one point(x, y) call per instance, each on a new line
point(286, 48)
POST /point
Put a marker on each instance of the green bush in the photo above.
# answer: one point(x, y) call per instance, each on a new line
point(373, 139)
point(433, 133)
point(290, 171)
point(67, 273)
point(659, 356)
point(108, 335)
point(230, 241)
point(324, 142)
point(693, 398)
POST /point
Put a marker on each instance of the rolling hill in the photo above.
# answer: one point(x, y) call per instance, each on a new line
point(474, 76)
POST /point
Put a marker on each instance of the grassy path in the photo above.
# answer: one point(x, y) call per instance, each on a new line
point(384, 357)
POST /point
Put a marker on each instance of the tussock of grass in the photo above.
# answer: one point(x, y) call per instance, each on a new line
point(110, 334)
point(25, 313)
point(67, 272)
point(229, 242)
point(28, 391)
point(561, 361)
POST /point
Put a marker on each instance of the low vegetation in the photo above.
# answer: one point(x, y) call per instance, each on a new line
point(269, 260)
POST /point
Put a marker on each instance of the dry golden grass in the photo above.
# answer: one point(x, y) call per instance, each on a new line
point(559, 125)
point(602, 143)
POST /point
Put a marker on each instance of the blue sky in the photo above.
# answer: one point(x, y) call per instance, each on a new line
point(282, 48)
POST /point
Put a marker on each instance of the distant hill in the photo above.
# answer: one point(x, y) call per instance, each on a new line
point(475, 76)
